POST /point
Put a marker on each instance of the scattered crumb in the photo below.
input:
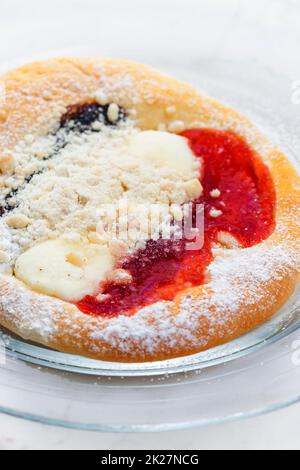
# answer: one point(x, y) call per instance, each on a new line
point(215, 193)
point(17, 221)
point(176, 127)
point(113, 112)
point(215, 213)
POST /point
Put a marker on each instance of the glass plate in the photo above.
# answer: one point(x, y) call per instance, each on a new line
point(224, 383)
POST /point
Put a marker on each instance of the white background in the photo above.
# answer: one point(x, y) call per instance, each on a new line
point(164, 33)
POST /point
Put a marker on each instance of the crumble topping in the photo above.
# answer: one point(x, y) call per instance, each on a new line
point(4, 258)
point(61, 181)
point(215, 213)
point(113, 112)
point(176, 126)
point(215, 193)
point(101, 98)
point(17, 221)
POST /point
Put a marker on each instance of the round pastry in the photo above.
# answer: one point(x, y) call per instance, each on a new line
point(140, 219)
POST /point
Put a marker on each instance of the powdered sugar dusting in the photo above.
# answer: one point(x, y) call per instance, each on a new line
point(34, 315)
point(237, 278)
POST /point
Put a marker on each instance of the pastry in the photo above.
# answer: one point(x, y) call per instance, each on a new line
point(140, 219)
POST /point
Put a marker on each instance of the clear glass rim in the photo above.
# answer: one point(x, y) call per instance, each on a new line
point(147, 428)
point(150, 428)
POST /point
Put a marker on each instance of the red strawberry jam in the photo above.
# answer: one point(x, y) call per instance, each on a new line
point(246, 209)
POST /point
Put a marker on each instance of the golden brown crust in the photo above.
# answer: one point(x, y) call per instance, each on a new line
point(36, 96)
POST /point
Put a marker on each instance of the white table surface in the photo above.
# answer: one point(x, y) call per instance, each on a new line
point(280, 430)
point(163, 33)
